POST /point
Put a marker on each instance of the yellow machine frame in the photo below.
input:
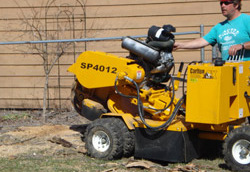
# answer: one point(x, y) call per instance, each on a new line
point(215, 94)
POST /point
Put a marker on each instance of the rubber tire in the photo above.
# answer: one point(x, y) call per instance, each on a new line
point(111, 128)
point(234, 136)
point(128, 139)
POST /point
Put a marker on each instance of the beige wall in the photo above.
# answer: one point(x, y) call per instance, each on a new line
point(21, 67)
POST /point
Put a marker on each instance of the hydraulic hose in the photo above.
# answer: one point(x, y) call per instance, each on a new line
point(141, 110)
point(137, 88)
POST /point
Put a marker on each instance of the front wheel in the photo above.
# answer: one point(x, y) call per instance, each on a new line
point(236, 149)
point(103, 139)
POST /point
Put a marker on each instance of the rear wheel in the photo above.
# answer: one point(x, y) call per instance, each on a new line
point(103, 139)
point(128, 139)
point(236, 149)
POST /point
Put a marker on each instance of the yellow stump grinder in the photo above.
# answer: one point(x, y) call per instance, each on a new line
point(134, 110)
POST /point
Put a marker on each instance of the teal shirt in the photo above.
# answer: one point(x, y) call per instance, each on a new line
point(228, 33)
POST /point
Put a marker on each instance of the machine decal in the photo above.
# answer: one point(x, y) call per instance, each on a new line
point(196, 74)
point(100, 68)
point(240, 69)
point(240, 112)
point(210, 74)
point(197, 71)
point(139, 74)
point(193, 80)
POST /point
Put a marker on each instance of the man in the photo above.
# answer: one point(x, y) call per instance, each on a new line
point(232, 35)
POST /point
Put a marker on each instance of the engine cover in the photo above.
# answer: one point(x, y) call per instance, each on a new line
point(98, 69)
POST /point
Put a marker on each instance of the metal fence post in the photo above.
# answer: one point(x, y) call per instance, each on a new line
point(202, 49)
point(214, 52)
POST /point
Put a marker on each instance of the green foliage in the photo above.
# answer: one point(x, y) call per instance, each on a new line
point(80, 163)
point(51, 164)
point(14, 116)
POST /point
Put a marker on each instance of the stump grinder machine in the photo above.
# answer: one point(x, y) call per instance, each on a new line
point(133, 108)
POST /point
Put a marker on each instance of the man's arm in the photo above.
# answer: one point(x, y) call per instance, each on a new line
point(194, 44)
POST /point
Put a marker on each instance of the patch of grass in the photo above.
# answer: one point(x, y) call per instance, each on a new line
point(14, 116)
point(79, 163)
point(217, 164)
point(57, 163)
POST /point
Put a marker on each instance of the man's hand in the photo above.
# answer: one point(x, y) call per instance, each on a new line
point(177, 46)
point(233, 49)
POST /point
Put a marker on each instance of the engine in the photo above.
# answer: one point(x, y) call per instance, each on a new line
point(155, 54)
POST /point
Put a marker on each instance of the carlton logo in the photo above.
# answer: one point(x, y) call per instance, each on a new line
point(198, 71)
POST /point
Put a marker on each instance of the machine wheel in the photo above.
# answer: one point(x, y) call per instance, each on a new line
point(236, 149)
point(103, 139)
point(128, 139)
point(77, 97)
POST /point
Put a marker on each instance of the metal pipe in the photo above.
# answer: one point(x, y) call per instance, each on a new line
point(85, 39)
point(202, 49)
point(214, 51)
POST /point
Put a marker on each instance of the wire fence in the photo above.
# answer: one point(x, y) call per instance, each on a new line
point(201, 33)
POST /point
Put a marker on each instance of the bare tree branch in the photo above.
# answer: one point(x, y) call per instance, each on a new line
point(36, 26)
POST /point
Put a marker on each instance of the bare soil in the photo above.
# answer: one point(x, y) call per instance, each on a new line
point(30, 134)
point(26, 133)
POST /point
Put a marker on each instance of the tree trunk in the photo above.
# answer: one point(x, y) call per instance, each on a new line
point(45, 91)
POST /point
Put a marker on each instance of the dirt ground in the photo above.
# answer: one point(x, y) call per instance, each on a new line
point(24, 132)
point(29, 133)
